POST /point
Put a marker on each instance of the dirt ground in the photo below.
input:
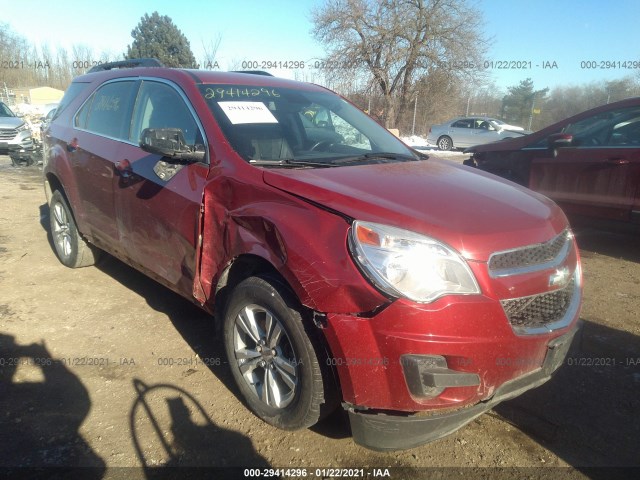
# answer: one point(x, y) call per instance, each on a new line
point(113, 370)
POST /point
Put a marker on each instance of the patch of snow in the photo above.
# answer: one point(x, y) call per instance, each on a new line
point(419, 143)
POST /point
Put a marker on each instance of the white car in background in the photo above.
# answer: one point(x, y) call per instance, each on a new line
point(464, 132)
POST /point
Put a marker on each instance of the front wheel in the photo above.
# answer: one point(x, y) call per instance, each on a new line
point(281, 372)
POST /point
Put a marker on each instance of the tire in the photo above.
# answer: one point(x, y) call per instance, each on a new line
point(267, 345)
point(445, 143)
point(72, 250)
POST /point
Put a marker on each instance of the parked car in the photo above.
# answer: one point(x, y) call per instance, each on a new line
point(468, 131)
point(589, 163)
point(15, 137)
point(344, 270)
point(47, 119)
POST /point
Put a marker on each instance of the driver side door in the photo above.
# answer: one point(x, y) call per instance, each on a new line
point(158, 203)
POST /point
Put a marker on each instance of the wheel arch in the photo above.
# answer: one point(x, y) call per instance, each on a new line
point(242, 267)
point(250, 265)
point(51, 184)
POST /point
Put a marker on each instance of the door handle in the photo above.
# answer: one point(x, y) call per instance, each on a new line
point(124, 169)
point(617, 161)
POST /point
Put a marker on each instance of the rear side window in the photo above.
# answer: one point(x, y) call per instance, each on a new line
point(108, 111)
point(463, 124)
point(75, 89)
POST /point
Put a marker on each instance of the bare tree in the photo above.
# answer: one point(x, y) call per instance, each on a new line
point(209, 61)
point(398, 41)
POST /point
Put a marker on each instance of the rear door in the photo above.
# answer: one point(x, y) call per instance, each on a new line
point(461, 132)
point(158, 203)
point(93, 146)
point(599, 174)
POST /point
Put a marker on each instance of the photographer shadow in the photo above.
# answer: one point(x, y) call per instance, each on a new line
point(43, 405)
point(186, 441)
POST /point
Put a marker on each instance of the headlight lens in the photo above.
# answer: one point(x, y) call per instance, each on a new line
point(22, 127)
point(407, 264)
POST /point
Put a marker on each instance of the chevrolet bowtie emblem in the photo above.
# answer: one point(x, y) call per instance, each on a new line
point(559, 278)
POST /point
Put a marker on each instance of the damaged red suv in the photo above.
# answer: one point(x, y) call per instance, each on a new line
point(341, 266)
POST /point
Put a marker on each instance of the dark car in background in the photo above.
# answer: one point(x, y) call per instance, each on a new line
point(589, 163)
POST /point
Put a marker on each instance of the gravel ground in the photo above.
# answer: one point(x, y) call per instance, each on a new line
point(116, 371)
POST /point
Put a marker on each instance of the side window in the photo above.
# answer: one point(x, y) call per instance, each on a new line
point(619, 127)
point(160, 106)
point(82, 115)
point(350, 135)
point(70, 94)
point(107, 111)
point(462, 124)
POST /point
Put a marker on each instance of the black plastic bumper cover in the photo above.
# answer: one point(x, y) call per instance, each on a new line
point(390, 432)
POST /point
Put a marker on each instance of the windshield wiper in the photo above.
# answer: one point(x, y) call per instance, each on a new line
point(375, 156)
point(289, 162)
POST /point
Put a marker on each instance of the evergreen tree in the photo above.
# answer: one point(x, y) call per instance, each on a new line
point(518, 104)
point(156, 36)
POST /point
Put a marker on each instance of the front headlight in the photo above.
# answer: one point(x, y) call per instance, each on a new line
point(407, 264)
point(22, 127)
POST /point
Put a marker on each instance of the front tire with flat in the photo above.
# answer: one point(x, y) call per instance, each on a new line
point(72, 250)
point(280, 369)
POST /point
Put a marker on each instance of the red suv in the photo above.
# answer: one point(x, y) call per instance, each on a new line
point(341, 266)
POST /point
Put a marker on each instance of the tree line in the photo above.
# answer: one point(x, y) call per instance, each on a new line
point(408, 63)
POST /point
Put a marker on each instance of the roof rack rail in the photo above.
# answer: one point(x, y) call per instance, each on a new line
point(132, 63)
point(253, 72)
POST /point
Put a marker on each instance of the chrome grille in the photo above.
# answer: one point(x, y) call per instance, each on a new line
point(540, 312)
point(531, 257)
point(8, 133)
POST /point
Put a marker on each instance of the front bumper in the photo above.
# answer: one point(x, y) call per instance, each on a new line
point(21, 147)
point(389, 432)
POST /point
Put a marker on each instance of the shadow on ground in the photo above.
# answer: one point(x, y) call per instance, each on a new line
point(43, 405)
point(586, 414)
point(194, 442)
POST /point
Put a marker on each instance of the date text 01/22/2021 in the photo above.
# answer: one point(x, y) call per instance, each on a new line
point(317, 472)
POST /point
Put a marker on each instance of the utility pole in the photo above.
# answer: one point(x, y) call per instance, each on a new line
point(533, 102)
point(415, 107)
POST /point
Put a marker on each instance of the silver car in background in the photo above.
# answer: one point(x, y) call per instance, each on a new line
point(15, 137)
point(464, 132)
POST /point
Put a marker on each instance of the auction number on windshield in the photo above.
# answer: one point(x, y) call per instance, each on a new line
point(229, 92)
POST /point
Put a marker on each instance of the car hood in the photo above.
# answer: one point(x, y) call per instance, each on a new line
point(474, 212)
point(10, 122)
point(513, 143)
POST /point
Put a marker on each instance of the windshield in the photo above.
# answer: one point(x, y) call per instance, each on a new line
point(5, 111)
point(299, 127)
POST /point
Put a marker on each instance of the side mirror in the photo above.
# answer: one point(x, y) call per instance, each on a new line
point(170, 143)
point(560, 140)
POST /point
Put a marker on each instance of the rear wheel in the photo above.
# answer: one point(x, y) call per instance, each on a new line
point(72, 250)
point(281, 372)
point(445, 143)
